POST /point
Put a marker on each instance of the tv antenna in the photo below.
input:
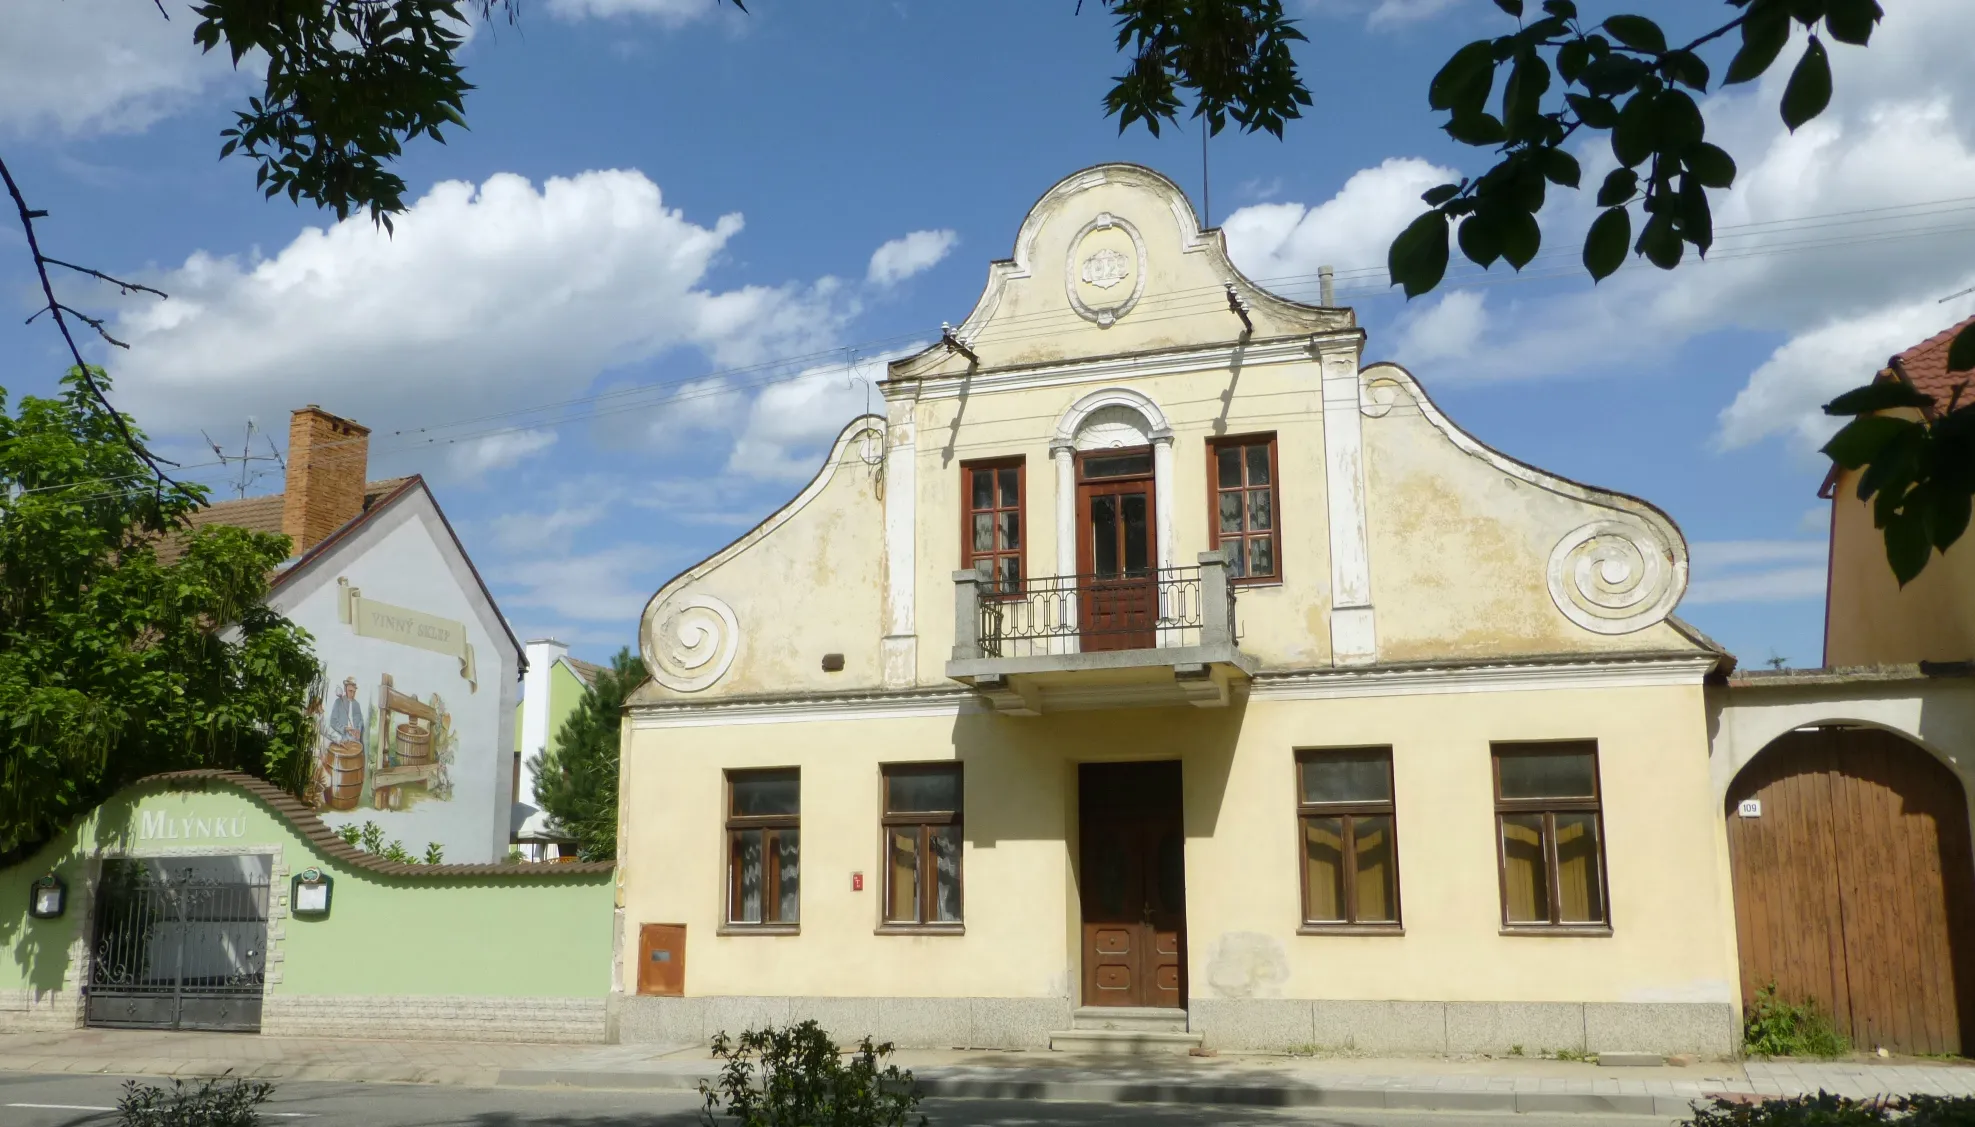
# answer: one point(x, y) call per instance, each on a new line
point(245, 459)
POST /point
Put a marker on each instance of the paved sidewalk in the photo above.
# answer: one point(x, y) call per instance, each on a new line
point(1414, 1083)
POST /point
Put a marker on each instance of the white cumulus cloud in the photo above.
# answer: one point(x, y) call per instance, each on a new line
point(1785, 394)
point(1351, 229)
point(910, 254)
point(1449, 329)
point(788, 424)
point(87, 66)
point(498, 451)
point(487, 299)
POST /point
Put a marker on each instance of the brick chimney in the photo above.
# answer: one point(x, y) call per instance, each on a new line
point(328, 458)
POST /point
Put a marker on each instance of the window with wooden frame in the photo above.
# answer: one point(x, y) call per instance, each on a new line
point(992, 496)
point(1245, 519)
point(764, 840)
point(1549, 836)
point(922, 814)
point(1350, 855)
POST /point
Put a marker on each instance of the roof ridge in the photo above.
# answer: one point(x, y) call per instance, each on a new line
point(305, 821)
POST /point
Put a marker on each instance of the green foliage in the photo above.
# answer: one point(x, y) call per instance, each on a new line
point(1919, 473)
point(1777, 1028)
point(1232, 57)
point(113, 665)
point(576, 779)
point(347, 83)
point(211, 1103)
point(370, 839)
point(797, 1077)
point(1575, 1055)
point(1559, 74)
point(1827, 1110)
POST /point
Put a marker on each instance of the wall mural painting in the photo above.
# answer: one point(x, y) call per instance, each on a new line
point(380, 747)
point(391, 751)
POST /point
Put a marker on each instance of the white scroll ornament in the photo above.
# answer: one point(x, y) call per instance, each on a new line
point(1615, 577)
point(692, 643)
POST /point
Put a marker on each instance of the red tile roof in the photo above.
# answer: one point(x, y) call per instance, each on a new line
point(1925, 367)
point(256, 514)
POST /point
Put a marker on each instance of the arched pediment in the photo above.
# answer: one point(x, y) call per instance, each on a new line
point(1106, 418)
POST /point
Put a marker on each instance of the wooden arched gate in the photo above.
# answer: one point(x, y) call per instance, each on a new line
point(1853, 886)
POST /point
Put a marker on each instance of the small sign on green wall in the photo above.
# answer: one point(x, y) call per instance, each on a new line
point(308, 894)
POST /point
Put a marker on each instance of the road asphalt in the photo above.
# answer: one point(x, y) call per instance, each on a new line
point(56, 1100)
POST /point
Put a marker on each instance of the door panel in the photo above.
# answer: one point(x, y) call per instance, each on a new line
point(1853, 880)
point(1118, 607)
point(1132, 883)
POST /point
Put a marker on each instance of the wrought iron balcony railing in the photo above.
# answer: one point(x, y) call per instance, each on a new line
point(1164, 608)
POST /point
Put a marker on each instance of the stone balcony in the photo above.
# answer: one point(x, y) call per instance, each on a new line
point(1067, 642)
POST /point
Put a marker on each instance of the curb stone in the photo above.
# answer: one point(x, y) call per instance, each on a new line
point(1233, 1095)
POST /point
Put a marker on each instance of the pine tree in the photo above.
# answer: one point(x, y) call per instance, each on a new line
point(576, 778)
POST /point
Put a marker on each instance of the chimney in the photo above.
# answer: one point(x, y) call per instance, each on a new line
point(328, 458)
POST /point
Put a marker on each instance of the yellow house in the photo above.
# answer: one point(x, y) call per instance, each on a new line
point(1155, 672)
point(1870, 619)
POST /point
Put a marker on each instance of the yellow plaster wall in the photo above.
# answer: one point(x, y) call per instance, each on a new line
point(1673, 930)
point(1870, 619)
point(1460, 552)
point(809, 588)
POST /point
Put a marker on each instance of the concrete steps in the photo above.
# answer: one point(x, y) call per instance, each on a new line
point(1125, 1031)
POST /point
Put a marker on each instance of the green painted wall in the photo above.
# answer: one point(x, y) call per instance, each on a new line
point(384, 934)
point(565, 691)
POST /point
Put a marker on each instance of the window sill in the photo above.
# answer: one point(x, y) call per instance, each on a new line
point(1591, 931)
point(758, 929)
point(921, 929)
point(1351, 929)
point(1250, 584)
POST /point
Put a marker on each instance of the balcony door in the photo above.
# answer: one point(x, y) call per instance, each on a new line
point(1118, 596)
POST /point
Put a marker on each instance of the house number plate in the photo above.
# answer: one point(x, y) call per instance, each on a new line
point(1750, 808)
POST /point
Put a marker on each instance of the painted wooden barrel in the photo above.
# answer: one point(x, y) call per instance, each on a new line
point(414, 745)
point(345, 774)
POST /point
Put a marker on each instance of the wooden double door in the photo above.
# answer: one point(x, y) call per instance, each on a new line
point(1853, 885)
point(1132, 882)
point(1117, 550)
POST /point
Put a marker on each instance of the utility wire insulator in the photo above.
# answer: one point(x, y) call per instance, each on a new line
point(1240, 308)
point(953, 343)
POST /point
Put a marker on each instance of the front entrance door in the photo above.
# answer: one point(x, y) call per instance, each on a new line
point(1855, 886)
point(1133, 884)
point(180, 943)
point(1119, 592)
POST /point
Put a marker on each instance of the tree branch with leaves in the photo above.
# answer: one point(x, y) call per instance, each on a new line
point(1559, 78)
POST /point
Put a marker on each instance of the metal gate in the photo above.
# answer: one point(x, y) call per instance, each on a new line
point(180, 943)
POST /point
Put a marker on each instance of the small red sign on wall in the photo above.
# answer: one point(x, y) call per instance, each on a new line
point(857, 882)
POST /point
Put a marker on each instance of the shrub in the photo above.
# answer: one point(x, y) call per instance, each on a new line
point(1827, 1110)
point(797, 1077)
point(213, 1103)
point(1777, 1028)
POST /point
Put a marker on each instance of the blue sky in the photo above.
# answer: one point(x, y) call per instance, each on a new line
point(668, 219)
